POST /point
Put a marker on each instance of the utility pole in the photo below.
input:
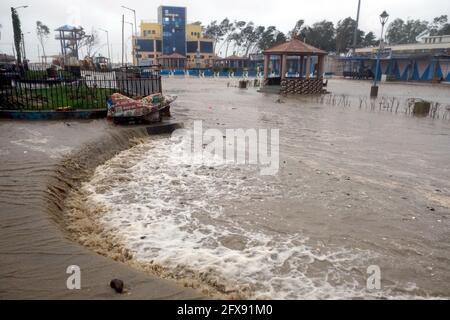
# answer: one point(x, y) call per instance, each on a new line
point(123, 31)
point(132, 49)
point(23, 48)
point(355, 35)
point(107, 43)
point(135, 52)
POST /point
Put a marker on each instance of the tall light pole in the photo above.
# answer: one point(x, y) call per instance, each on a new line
point(123, 32)
point(374, 89)
point(355, 35)
point(107, 42)
point(135, 33)
point(131, 24)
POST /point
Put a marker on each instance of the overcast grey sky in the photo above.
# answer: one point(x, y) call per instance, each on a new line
point(281, 13)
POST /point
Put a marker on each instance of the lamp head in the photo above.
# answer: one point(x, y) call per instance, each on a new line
point(384, 17)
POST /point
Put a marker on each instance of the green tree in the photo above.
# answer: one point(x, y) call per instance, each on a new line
point(445, 30)
point(320, 34)
point(227, 31)
point(226, 28)
point(369, 40)
point(295, 33)
point(413, 28)
point(258, 33)
point(17, 34)
point(401, 32)
point(236, 36)
point(345, 30)
point(42, 32)
point(270, 37)
point(280, 38)
point(215, 31)
point(90, 42)
point(249, 37)
point(440, 26)
point(395, 32)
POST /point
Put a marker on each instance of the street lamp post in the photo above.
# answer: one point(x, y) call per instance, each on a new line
point(374, 89)
point(107, 43)
point(135, 33)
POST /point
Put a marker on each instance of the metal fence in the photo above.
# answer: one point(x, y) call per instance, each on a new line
point(38, 90)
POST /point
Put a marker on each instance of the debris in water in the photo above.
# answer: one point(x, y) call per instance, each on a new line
point(421, 108)
point(117, 285)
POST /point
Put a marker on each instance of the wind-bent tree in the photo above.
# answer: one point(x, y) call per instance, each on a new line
point(320, 34)
point(345, 30)
point(257, 35)
point(228, 29)
point(440, 26)
point(295, 33)
point(401, 32)
point(214, 31)
point(370, 40)
point(42, 32)
point(270, 37)
point(249, 36)
point(234, 35)
point(17, 34)
point(90, 42)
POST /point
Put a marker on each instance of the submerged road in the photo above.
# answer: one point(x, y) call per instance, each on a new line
point(356, 187)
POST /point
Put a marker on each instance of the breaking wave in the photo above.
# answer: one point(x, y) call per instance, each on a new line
point(191, 223)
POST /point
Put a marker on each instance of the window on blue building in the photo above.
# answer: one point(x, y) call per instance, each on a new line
point(206, 47)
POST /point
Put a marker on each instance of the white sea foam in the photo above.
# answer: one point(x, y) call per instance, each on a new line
point(179, 217)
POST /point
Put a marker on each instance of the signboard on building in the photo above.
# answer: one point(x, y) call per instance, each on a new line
point(385, 53)
point(146, 62)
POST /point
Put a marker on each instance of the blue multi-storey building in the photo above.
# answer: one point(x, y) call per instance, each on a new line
point(173, 22)
point(173, 43)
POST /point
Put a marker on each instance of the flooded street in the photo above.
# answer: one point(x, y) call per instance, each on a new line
point(357, 187)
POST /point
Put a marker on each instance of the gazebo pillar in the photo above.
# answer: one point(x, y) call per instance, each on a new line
point(283, 66)
point(320, 68)
point(308, 67)
point(301, 66)
point(266, 66)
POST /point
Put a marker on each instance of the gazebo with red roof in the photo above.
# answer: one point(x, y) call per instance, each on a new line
point(302, 85)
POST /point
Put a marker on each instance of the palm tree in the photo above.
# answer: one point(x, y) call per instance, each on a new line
point(17, 34)
point(42, 32)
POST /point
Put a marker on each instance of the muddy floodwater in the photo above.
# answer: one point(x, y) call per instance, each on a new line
point(358, 185)
point(361, 186)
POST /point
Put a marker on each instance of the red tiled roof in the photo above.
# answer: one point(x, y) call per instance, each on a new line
point(294, 46)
